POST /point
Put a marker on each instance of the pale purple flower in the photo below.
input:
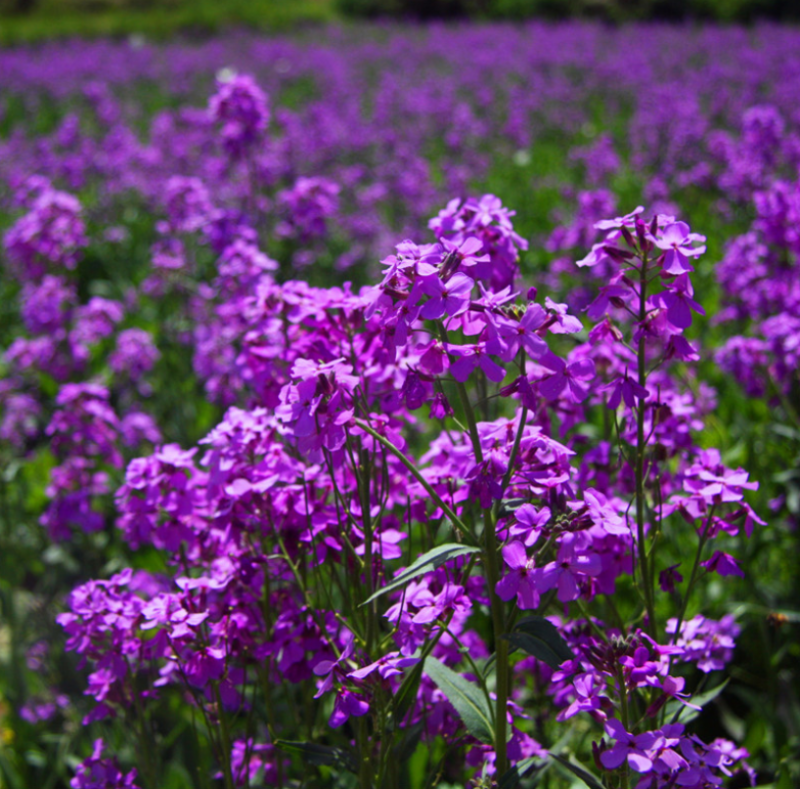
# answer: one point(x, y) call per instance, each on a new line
point(519, 581)
point(472, 356)
point(677, 242)
point(630, 747)
point(574, 562)
point(451, 297)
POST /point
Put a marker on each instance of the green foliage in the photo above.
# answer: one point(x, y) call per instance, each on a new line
point(612, 10)
point(24, 21)
point(426, 563)
point(539, 637)
point(470, 702)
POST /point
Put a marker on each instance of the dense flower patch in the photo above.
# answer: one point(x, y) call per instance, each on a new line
point(348, 473)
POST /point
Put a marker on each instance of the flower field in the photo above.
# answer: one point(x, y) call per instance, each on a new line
point(401, 407)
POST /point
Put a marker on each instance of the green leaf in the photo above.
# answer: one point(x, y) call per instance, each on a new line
point(786, 431)
point(533, 764)
point(468, 699)
point(320, 754)
point(756, 735)
point(579, 772)
point(683, 714)
point(404, 750)
point(406, 693)
point(426, 563)
point(509, 506)
point(539, 637)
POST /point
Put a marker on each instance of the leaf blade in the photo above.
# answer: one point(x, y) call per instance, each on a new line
point(467, 698)
point(540, 637)
point(512, 777)
point(426, 563)
point(578, 771)
point(319, 754)
point(683, 714)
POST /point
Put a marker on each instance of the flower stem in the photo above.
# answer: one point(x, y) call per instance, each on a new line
point(457, 522)
point(641, 544)
point(492, 564)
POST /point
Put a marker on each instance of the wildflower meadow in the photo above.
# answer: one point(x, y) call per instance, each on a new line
point(401, 406)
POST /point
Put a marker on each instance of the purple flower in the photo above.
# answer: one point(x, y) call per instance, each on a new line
point(97, 772)
point(135, 354)
point(508, 336)
point(678, 302)
point(347, 703)
point(625, 389)
point(703, 761)
point(472, 356)
point(589, 697)
point(519, 581)
point(723, 564)
point(572, 376)
point(573, 563)
point(676, 240)
point(630, 747)
point(451, 297)
point(241, 106)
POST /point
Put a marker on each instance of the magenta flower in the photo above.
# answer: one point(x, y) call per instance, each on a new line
point(702, 761)
point(628, 747)
point(573, 376)
point(519, 582)
point(613, 294)
point(589, 697)
point(596, 255)
point(347, 703)
point(508, 336)
point(389, 665)
point(620, 221)
point(676, 240)
point(678, 302)
point(625, 389)
point(723, 564)
point(573, 563)
point(529, 523)
point(97, 772)
point(473, 356)
point(563, 322)
point(464, 254)
point(451, 297)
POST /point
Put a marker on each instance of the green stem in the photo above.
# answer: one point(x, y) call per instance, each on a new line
point(647, 588)
point(456, 521)
point(365, 756)
point(363, 479)
point(625, 715)
point(492, 564)
point(472, 425)
point(693, 576)
point(226, 738)
point(523, 418)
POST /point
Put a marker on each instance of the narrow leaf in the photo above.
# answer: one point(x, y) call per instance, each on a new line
point(426, 563)
point(683, 714)
point(468, 699)
point(533, 764)
point(406, 693)
point(539, 637)
point(319, 754)
point(404, 750)
point(579, 772)
point(508, 506)
point(533, 647)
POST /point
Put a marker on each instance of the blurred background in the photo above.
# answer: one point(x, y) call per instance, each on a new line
point(33, 20)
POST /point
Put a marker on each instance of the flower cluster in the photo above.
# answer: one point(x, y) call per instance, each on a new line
point(431, 488)
point(290, 517)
